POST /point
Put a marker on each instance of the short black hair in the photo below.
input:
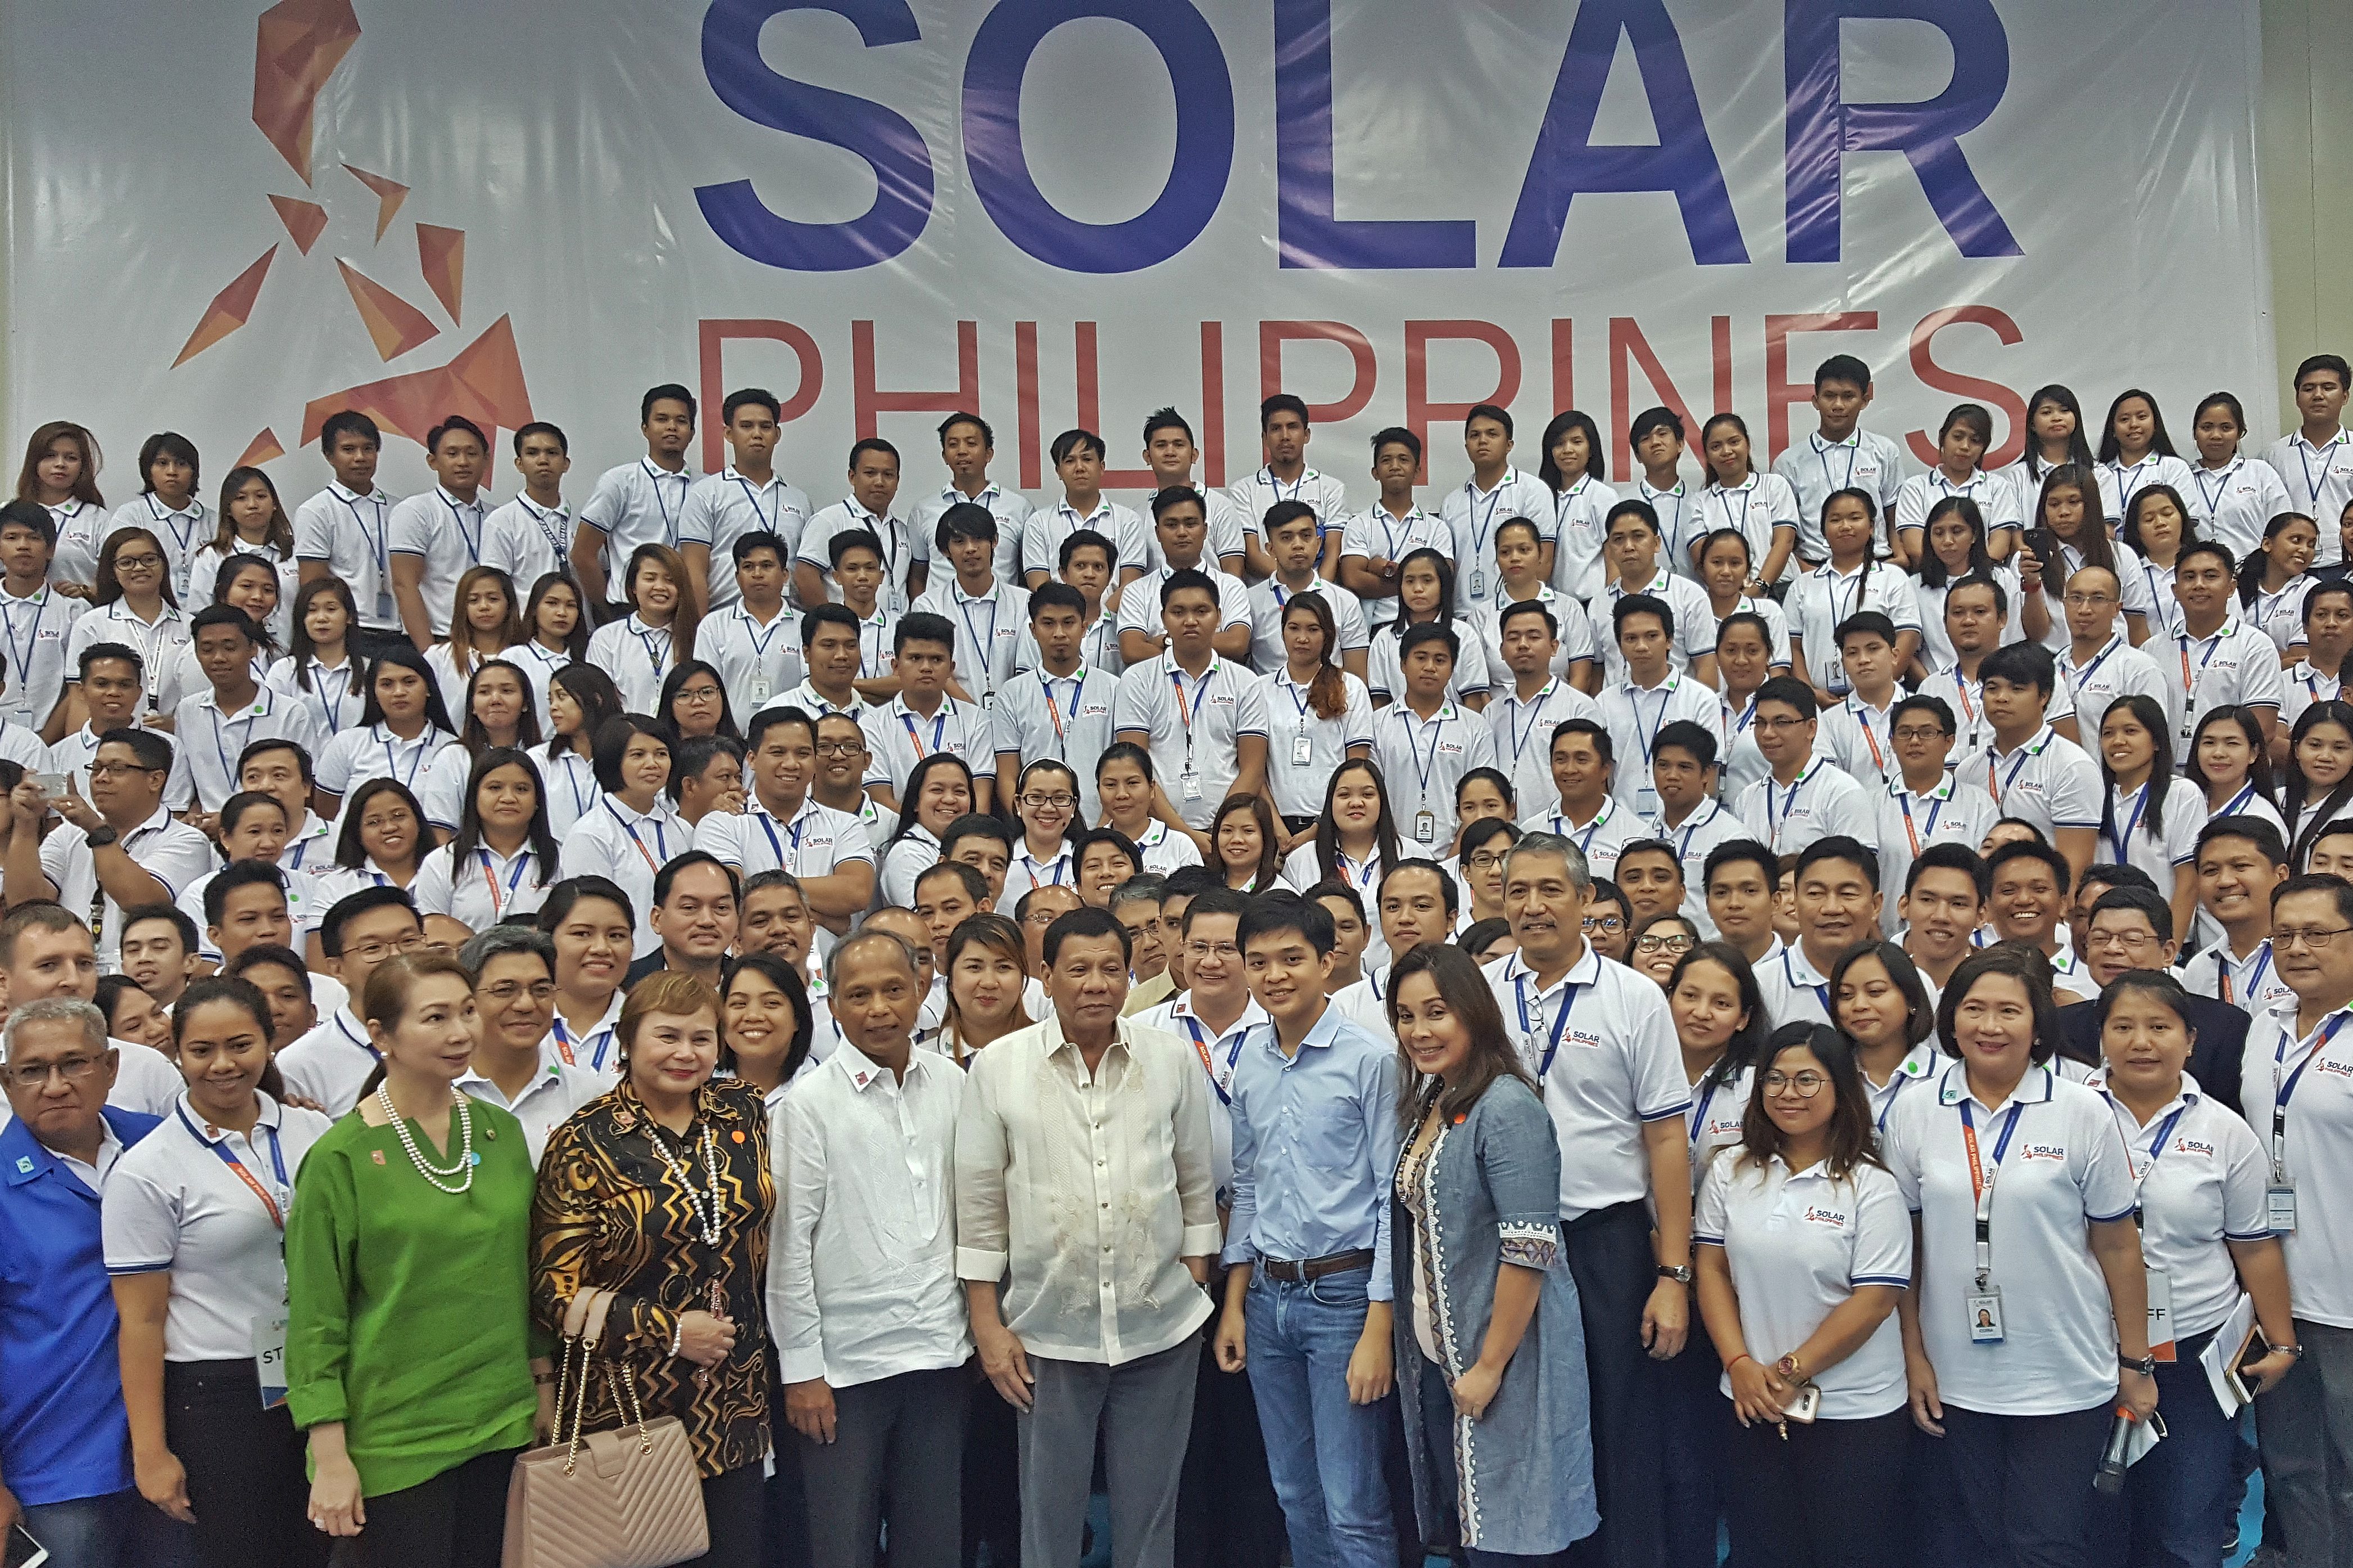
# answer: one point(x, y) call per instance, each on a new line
point(1057, 596)
point(1397, 436)
point(1845, 368)
point(2038, 851)
point(2259, 831)
point(2022, 664)
point(923, 626)
point(1685, 735)
point(850, 539)
point(679, 865)
point(351, 906)
point(758, 539)
point(749, 397)
point(239, 874)
point(1087, 921)
point(262, 748)
point(1739, 852)
point(1429, 632)
point(966, 520)
point(1952, 857)
point(1840, 847)
point(968, 878)
point(1274, 913)
point(224, 616)
point(1870, 623)
point(1640, 605)
point(1085, 539)
point(974, 825)
point(668, 392)
point(2326, 883)
point(177, 917)
point(541, 427)
point(987, 435)
point(2158, 913)
point(1935, 707)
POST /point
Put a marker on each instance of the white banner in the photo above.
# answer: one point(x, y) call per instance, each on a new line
point(223, 220)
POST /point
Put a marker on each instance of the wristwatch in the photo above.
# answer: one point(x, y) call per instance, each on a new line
point(101, 836)
point(1681, 1274)
point(1791, 1368)
point(2146, 1366)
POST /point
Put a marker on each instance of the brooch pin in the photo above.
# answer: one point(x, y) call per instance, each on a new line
point(625, 1120)
point(737, 1135)
point(377, 1154)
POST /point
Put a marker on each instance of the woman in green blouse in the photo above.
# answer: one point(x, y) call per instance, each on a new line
point(409, 1345)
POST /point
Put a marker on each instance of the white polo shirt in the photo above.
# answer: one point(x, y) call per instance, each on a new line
point(722, 507)
point(527, 541)
point(1634, 715)
point(23, 746)
point(755, 662)
point(1936, 650)
point(1472, 515)
point(1377, 532)
point(2050, 781)
point(1325, 495)
point(2117, 670)
point(1715, 1119)
point(2232, 504)
point(353, 533)
point(1579, 520)
point(182, 533)
point(900, 551)
point(2279, 616)
point(1196, 737)
point(1066, 717)
point(2061, 1163)
point(37, 632)
point(78, 525)
point(446, 533)
point(1825, 597)
point(2250, 984)
point(2202, 1176)
point(1923, 1064)
point(1821, 801)
point(1694, 622)
point(329, 697)
point(1756, 510)
point(1575, 631)
point(1139, 603)
point(1816, 469)
point(1679, 521)
point(1860, 740)
point(174, 1202)
point(1224, 541)
point(988, 628)
point(1711, 822)
point(572, 787)
point(1009, 508)
point(1166, 849)
point(2318, 482)
point(1972, 730)
point(172, 852)
point(1098, 646)
point(596, 1051)
point(547, 1102)
point(817, 841)
point(633, 504)
point(2237, 664)
point(157, 644)
point(208, 741)
point(2125, 836)
point(1602, 1048)
point(1220, 1052)
point(1297, 777)
point(1268, 601)
point(631, 849)
point(1026, 871)
point(1909, 821)
point(1304, 871)
point(897, 738)
point(1475, 670)
point(1424, 760)
point(1996, 499)
point(329, 1064)
point(355, 755)
point(1042, 535)
point(1598, 840)
point(2136, 590)
point(1794, 990)
point(813, 702)
point(2317, 1150)
point(488, 888)
point(1799, 1245)
point(638, 657)
point(1524, 734)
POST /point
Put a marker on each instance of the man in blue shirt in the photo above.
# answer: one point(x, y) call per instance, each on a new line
point(65, 1442)
point(1309, 1297)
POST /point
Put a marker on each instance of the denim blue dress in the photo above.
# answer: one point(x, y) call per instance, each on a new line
point(1518, 1480)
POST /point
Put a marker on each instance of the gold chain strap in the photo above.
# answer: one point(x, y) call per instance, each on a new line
point(629, 1382)
point(579, 1400)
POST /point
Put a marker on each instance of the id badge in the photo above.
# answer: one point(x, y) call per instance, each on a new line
point(759, 692)
point(1189, 782)
point(1985, 1316)
point(2160, 1315)
point(1425, 828)
point(2279, 1207)
point(1302, 749)
point(987, 701)
point(270, 1360)
point(1478, 586)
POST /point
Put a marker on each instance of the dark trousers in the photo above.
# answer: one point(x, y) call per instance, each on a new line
point(1227, 1515)
point(244, 1467)
point(2177, 1492)
point(992, 1475)
point(457, 1519)
point(1610, 1259)
point(1699, 1428)
point(118, 1530)
point(2026, 1484)
point(735, 1507)
point(1828, 1497)
point(896, 1459)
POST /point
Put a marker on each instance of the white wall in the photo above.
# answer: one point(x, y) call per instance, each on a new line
point(2307, 177)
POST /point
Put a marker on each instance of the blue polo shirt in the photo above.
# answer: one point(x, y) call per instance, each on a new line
point(63, 1433)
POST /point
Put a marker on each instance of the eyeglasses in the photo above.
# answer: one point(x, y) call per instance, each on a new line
point(2086, 601)
point(1212, 949)
point(505, 991)
point(699, 693)
point(2130, 941)
point(839, 748)
point(138, 563)
point(1485, 860)
point(1678, 942)
point(1805, 1085)
point(1608, 925)
point(1921, 733)
point(1782, 721)
point(377, 952)
point(2314, 939)
point(1050, 802)
point(116, 770)
point(35, 1074)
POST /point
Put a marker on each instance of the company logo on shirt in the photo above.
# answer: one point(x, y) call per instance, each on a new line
point(2193, 1146)
point(1583, 1037)
point(1833, 1218)
point(2043, 1151)
point(2330, 1069)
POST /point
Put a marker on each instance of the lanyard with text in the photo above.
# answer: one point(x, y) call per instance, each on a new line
point(457, 510)
point(1523, 733)
point(939, 729)
point(2119, 840)
point(1789, 804)
point(1863, 722)
point(792, 830)
point(2155, 1149)
point(563, 1044)
point(1053, 709)
point(1982, 1174)
point(646, 640)
point(2312, 487)
point(2254, 976)
point(1222, 1083)
point(275, 1204)
point(391, 755)
point(1552, 1047)
point(552, 526)
point(654, 477)
point(491, 880)
point(2284, 1084)
point(1852, 447)
point(2083, 677)
point(1904, 799)
point(1994, 781)
point(20, 660)
point(1051, 871)
point(1699, 1112)
point(630, 828)
point(985, 647)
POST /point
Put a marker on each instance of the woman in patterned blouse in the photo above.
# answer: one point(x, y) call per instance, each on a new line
point(660, 1191)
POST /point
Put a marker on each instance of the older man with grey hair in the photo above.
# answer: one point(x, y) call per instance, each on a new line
point(1601, 1046)
point(863, 1288)
point(65, 1439)
point(46, 952)
point(513, 968)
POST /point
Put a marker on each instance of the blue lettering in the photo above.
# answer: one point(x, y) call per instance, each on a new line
point(1822, 129)
point(1567, 163)
point(1310, 234)
point(884, 137)
point(1000, 174)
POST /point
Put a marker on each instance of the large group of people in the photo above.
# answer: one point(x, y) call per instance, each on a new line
point(1797, 1004)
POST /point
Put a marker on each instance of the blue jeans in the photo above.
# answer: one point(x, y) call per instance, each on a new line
point(120, 1529)
point(2176, 1492)
point(1323, 1453)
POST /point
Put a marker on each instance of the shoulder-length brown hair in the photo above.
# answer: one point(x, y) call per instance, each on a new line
point(1492, 1055)
point(684, 619)
point(1270, 838)
point(85, 488)
point(670, 993)
point(1327, 694)
point(2021, 962)
point(999, 936)
point(109, 586)
point(1851, 1142)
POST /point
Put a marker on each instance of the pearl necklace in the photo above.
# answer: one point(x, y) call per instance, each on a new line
point(707, 1216)
point(463, 1169)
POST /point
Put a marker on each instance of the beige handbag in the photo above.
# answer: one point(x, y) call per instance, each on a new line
point(629, 1497)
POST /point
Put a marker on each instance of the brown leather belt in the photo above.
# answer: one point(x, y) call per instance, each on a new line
point(1291, 1273)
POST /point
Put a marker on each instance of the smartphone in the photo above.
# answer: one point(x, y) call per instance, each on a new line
point(1805, 1407)
point(52, 784)
point(2045, 545)
point(24, 1551)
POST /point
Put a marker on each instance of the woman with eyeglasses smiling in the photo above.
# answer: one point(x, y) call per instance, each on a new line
point(1659, 943)
point(133, 605)
point(1804, 1247)
point(1046, 801)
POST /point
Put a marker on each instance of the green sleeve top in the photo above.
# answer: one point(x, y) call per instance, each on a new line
point(409, 1307)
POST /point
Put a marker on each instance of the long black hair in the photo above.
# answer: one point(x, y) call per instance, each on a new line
point(436, 712)
point(598, 697)
point(1596, 465)
point(1933, 572)
point(1445, 569)
point(471, 733)
point(351, 849)
point(2335, 711)
point(541, 834)
point(2259, 560)
point(1472, 1000)
point(910, 798)
point(2079, 446)
point(1740, 1051)
point(1850, 1142)
point(302, 649)
point(665, 705)
point(2151, 718)
point(576, 645)
point(1327, 826)
point(2111, 448)
point(2259, 753)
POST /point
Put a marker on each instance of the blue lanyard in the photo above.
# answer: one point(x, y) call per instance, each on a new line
point(2254, 976)
point(1699, 1114)
point(1298, 694)
point(631, 829)
point(220, 747)
point(1904, 799)
point(580, 799)
point(555, 536)
point(2118, 841)
point(1201, 1045)
point(275, 1205)
point(1821, 992)
point(514, 879)
point(456, 510)
point(2214, 497)
point(767, 523)
point(2312, 486)
point(760, 643)
point(382, 530)
point(645, 641)
point(1634, 701)
point(361, 1039)
point(1673, 533)
point(655, 477)
point(1521, 735)
point(2155, 1151)
point(1552, 1047)
point(1275, 484)
point(20, 661)
point(2281, 1092)
point(986, 646)
point(1787, 804)
point(1054, 868)
point(180, 537)
point(330, 709)
point(392, 757)
point(939, 728)
point(1435, 729)
point(792, 830)
point(2083, 675)
point(1682, 851)
point(1853, 447)
point(1494, 500)
point(564, 1042)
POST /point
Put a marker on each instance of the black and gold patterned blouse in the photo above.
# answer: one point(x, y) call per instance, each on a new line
point(609, 1211)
